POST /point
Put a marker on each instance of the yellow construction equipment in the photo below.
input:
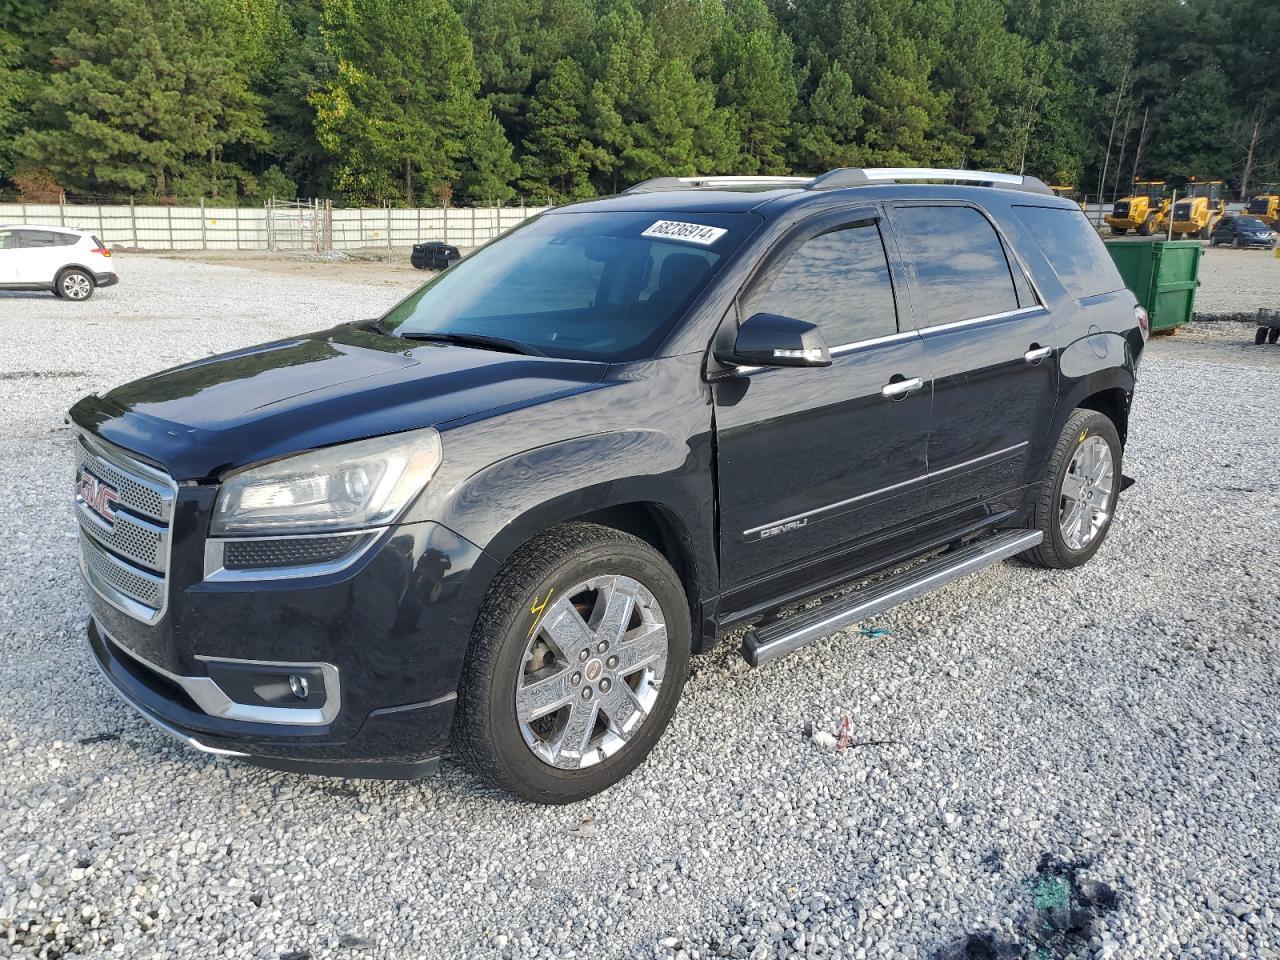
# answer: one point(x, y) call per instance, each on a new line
point(1265, 205)
point(1200, 208)
point(1067, 193)
point(1145, 209)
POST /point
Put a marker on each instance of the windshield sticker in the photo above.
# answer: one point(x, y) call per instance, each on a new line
point(686, 232)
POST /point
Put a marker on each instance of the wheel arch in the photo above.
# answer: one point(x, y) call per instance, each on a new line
point(656, 523)
point(1113, 403)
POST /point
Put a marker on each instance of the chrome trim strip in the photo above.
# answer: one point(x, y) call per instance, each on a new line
point(873, 342)
point(922, 478)
point(989, 318)
point(155, 721)
point(879, 597)
point(977, 460)
point(210, 697)
point(215, 549)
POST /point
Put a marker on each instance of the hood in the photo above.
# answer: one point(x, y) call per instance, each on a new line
point(347, 383)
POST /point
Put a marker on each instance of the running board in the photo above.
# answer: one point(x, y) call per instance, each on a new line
point(783, 636)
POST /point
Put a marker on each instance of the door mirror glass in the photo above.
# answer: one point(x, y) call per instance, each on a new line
point(771, 340)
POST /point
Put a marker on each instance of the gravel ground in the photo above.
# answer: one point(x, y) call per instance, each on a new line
point(1080, 762)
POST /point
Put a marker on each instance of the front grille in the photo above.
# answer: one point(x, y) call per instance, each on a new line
point(1121, 211)
point(126, 559)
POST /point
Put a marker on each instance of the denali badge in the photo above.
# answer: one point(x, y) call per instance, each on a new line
point(97, 496)
point(782, 528)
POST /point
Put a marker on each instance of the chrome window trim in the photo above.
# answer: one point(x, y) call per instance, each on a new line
point(167, 488)
point(922, 478)
point(872, 342)
point(974, 321)
point(215, 550)
point(1009, 249)
point(210, 698)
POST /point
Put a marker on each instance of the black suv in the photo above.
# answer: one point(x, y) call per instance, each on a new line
point(502, 516)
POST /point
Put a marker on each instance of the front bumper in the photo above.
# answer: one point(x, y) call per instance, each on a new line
point(394, 629)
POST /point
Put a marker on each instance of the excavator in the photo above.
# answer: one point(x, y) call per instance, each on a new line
point(1200, 208)
point(1266, 204)
point(1145, 209)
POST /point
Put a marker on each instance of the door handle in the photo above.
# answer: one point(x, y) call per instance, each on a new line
point(1036, 354)
point(897, 389)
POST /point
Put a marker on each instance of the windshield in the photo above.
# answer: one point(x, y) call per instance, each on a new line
point(1251, 223)
point(588, 286)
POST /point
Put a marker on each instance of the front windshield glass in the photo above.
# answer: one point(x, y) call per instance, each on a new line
point(589, 286)
point(1252, 223)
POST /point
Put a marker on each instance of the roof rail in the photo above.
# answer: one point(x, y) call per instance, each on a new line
point(860, 177)
point(693, 183)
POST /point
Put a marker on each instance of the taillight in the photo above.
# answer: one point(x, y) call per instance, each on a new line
point(102, 250)
point(1144, 321)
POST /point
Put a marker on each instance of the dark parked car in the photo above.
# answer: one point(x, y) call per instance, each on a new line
point(1242, 232)
point(434, 255)
point(500, 518)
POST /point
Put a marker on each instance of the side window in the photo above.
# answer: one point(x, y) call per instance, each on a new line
point(960, 263)
point(45, 238)
point(838, 280)
point(1073, 248)
point(8, 240)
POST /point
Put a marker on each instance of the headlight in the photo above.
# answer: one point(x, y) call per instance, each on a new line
point(353, 485)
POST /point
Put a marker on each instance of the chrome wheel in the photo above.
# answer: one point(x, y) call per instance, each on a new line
point(591, 673)
point(1086, 493)
point(76, 286)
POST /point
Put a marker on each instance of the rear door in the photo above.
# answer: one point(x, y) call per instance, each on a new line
point(815, 462)
point(991, 346)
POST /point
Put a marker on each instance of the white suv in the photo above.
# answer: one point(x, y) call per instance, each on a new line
point(68, 262)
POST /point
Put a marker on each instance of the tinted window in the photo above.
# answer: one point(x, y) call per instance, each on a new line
point(838, 280)
point(606, 286)
point(46, 238)
point(960, 262)
point(1073, 248)
point(8, 240)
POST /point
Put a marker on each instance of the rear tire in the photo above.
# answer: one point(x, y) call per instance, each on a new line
point(552, 706)
point(1273, 335)
point(1078, 498)
point(74, 284)
point(1260, 337)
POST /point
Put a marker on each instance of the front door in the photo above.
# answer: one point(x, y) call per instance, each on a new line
point(991, 347)
point(815, 462)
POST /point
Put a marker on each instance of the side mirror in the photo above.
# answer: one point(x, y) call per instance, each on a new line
point(771, 340)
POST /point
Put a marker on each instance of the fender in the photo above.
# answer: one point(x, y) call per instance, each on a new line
point(1097, 361)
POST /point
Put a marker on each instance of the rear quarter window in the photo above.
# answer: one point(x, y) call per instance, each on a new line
point(1073, 248)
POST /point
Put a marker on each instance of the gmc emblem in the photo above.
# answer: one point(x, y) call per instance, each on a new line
point(97, 496)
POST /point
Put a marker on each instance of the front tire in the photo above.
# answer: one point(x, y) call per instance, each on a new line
point(75, 285)
point(1078, 498)
point(576, 663)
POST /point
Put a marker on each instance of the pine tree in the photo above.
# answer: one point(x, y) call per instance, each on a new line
point(141, 92)
point(490, 167)
point(558, 156)
point(756, 83)
point(828, 132)
point(397, 114)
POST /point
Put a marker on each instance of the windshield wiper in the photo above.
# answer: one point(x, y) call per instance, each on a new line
point(478, 340)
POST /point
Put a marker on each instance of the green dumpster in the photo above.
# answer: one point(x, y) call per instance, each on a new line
point(1164, 274)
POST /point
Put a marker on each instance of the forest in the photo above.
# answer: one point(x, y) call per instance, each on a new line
point(432, 102)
